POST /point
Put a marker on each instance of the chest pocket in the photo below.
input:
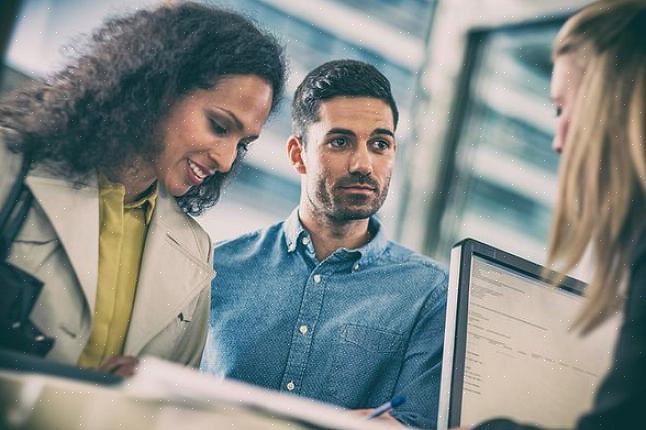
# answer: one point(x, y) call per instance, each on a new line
point(372, 339)
point(365, 365)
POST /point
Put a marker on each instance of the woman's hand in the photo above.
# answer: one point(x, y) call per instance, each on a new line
point(120, 365)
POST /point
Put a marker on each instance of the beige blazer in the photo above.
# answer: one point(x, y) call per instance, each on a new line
point(59, 244)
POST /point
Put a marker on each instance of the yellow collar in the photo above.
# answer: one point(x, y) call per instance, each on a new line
point(109, 189)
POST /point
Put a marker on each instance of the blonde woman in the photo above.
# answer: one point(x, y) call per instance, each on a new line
point(599, 90)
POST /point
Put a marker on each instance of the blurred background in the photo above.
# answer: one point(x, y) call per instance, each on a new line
point(471, 78)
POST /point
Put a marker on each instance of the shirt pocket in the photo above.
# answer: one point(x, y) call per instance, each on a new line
point(365, 365)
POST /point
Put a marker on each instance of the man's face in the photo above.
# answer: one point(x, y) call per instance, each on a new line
point(348, 158)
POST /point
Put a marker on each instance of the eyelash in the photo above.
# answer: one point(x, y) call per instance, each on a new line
point(218, 128)
point(385, 142)
point(375, 144)
point(337, 139)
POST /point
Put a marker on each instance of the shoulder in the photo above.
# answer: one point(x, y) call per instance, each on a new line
point(202, 238)
point(399, 254)
point(191, 233)
point(250, 244)
point(424, 270)
point(639, 255)
point(637, 275)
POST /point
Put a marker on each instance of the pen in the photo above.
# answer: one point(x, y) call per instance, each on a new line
point(398, 400)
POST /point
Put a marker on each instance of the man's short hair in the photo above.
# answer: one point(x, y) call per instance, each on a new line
point(339, 78)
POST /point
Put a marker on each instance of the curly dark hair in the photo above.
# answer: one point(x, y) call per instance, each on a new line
point(103, 109)
point(338, 78)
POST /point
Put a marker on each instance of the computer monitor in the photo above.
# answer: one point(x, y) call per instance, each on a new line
point(509, 350)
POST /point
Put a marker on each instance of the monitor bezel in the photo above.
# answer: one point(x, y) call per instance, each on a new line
point(468, 249)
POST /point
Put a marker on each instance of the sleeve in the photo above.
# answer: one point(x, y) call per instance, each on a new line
point(622, 396)
point(419, 378)
point(503, 424)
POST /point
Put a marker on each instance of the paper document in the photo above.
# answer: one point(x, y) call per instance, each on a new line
point(163, 380)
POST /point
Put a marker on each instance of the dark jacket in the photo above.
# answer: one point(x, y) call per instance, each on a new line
point(621, 400)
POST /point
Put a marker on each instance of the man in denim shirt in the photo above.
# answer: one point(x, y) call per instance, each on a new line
point(323, 305)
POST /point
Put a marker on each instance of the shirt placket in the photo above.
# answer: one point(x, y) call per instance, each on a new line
point(303, 331)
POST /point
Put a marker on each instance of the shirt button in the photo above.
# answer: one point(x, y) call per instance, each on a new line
point(305, 240)
point(303, 329)
point(291, 386)
point(317, 279)
point(355, 267)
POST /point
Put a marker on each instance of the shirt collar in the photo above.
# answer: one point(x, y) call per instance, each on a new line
point(377, 245)
point(294, 230)
point(146, 201)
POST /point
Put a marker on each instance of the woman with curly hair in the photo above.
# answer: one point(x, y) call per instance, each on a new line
point(124, 144)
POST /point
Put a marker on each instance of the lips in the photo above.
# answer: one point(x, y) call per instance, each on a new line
point(196, 172)
point(358, 188)
point(358, 181)
point(358, 185)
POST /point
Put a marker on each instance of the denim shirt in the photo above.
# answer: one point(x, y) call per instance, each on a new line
point(352, 330)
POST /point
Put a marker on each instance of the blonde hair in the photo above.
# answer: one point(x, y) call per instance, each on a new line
point(603, 173)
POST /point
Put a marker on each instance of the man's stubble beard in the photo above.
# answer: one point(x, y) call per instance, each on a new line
point(335, 207)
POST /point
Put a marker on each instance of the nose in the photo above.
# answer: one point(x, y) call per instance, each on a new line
point(361, 161)
point(224, 155)
point(557, 144)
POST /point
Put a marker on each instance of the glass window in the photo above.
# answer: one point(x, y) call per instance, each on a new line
point(500, 183)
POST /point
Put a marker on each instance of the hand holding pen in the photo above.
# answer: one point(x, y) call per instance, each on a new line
point(398, 400)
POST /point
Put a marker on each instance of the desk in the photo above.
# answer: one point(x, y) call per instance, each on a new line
point(162, 396)
point(44, 402)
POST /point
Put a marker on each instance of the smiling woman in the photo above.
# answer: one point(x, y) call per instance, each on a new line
point(206, 130)
point(137, 133)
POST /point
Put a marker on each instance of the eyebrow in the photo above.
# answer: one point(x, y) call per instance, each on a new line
point(345, 131)
point(382, 131)
point(337, 130)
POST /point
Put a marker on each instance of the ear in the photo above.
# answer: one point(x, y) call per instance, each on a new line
point(296, 153)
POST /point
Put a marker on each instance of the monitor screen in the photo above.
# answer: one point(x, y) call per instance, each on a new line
point(522, 360)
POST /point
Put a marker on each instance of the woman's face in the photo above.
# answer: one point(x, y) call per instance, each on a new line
point(203, 131)
point(566, 79)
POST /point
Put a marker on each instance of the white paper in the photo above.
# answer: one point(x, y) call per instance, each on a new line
point(159, 379)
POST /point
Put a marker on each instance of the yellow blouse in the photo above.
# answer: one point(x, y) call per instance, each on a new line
point(122, 234)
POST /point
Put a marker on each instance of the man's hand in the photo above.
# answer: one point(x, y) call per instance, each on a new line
point(384, 418)
point(120, 365)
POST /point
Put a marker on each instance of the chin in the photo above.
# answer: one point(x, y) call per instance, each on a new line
point(355, 213)
point(176, 190)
